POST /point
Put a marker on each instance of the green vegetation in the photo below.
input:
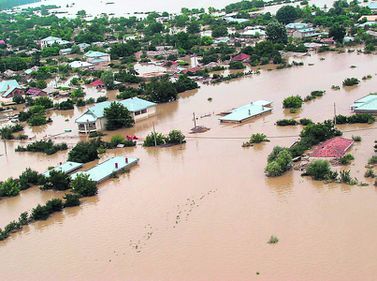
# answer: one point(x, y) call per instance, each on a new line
point(292, 102)
point(154, 139)
point(48, 147)
point(319, 170)
point(286, 122)
point(9, 188)
point(373, 160)
point(279, 161)
point(350, 82)
point(6, 133)
point(258, 138)
point(313, 95)
point(356, 138)
point(273, 240)
point(57, 180)
point(84, 152)
point(359, 118)
point(236, 65)
point(175, 137)
point(118, 116)
point(346, 159)
point(83, 186)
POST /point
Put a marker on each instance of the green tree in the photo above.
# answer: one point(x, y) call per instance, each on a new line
point(83, 186)
point(318, 169)
point(84, 152)
point(108, 79)
point(292, 102)
point(276, 33)
point(118, 116)
point(57, 180)
point(287, 14)
point(9, 188)
point(175, 137)
point(161, 90)
point(337, 32)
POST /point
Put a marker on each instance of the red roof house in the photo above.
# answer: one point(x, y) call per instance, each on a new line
point(241, 57)
point(35, 92)
point(192, 70)
point(98, 84)
point(334, 148)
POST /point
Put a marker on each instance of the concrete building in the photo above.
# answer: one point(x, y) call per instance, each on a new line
point(95, 57)
point(49, 41)
point(94, 118)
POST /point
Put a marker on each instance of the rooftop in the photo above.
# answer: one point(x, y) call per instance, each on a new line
point(95, 54)
point(67, 167)
point(335, 148)
point(247, 111)
point(106, 169)
point(366, 104)
point(7, 86)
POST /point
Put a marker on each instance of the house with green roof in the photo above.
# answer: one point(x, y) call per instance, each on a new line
point(10, 88)
point(367, 104)
point(94, 120)
point(95, 57)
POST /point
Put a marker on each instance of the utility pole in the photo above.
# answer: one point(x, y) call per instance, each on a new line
point(194, 119)
point(334, 114)
point(154, 136)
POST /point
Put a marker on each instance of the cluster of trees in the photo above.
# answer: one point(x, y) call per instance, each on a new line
point(45, 146)
point(360, 118)
point(118, 116)
point(156, 139)
point(6, 132)
point(12, 187)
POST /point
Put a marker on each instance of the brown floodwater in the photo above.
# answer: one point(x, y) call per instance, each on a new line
point(204, 210)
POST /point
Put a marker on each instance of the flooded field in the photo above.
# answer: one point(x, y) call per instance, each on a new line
point(205, 210)
point(123, 8)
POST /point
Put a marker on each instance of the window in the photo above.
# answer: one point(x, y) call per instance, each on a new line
point(144, 111)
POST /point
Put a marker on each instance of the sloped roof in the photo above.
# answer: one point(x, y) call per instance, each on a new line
point(95, 54)
point(335, 147)
point(241, 57)
point(97, 111)
point(367, 103)
point(247, 111)
point(7, 87)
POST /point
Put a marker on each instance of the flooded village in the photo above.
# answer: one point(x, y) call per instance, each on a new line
point(233, 141)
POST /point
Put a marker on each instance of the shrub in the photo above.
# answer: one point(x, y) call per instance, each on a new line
point(84, 152)
point(154, 139)
point(57, 180)
point(292, 102)
point(350, 82)
point(29, 178)
point(305, 121)
point(279, 161)
point(175, 137)
point(65, 105)
point(83, 186)
point(37, 120)
point(356, 138)
point(258, 138)
point(372, 160)
point(236, 65)
point(71, 200)
point(369, 173)
point(273, 240)
point(23, 218)
point(54, 205)
point(101, 99)
point(319, 169)
point(117, 139)
point(9, 188)
point(346, 159)
point(345, 177)
point(40, 213)
point(286, 122)
point(44, 146)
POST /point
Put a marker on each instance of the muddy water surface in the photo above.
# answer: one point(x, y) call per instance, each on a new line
point(205, 210)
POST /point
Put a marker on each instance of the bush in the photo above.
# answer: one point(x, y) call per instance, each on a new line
point(154, 139)
point(9, 188)
point(350, 82)
point(346, 159)
point(305, 121)
point(83, 186)
point(273, 240)
point(40, 213)
point(236, 65)
point(65, 105)
point(84, 152)
point(258, 138)
point(369, 173)
point(286, 122)
point(175, 137)
point(356, 138)
point(29, 178)
point(319, 169)
point(279, 161)
point(117, 139)
point(101, 99)
point(292, 102)
point(372, 160)
point(54, 205)
point(44, 146)
point(57, 180)
point(71, 200)
point(37, 120)
point(345, 177)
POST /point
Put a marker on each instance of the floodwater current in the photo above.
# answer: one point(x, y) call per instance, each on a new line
point(205, 210)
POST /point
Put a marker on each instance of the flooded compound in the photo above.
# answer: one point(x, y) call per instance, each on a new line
point(205, 210)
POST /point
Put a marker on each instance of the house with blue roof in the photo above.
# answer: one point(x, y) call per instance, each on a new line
point(94, 120)
point(95, 57)
point(373, 6)
point(367, 104)
point(246, 112)
point(10, 88)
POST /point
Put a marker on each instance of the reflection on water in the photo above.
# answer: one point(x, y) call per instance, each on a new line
point(326, 229)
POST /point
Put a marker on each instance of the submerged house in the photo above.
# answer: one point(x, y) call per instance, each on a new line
point(247, 111)
point(367, 104)
point(51, 40)
point(94, 118)
point(10, 88)
point(241, 57)
point(332, 148)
